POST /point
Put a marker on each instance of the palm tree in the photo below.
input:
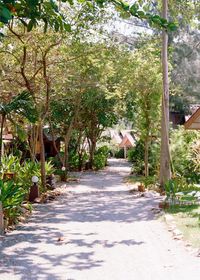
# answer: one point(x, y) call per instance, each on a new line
point(22, 105)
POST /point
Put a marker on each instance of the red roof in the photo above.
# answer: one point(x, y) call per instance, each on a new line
point(127, 141)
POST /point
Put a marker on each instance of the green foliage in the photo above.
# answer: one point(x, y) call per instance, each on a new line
point(185, 154)
point(140, 12)
point(11, 196)
point(27, 171)
point(119, 153)
point(32, 12)
point(178, 187)
point(74, 160)
point(23, 172)
point(55, 161)
point(100, 157)
point(10, 163)
point(22, 104)
point(136, 156)
point(49, 168)
point(194, 156)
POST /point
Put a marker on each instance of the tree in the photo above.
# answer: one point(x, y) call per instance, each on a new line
point(31, 13)
point(22, 104)
point(98, 114)
point(87, 68)
point(165, 165)
point(34, 69)
point(142, 89)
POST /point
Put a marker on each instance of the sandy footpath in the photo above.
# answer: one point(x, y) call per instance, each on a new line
point(96, 231)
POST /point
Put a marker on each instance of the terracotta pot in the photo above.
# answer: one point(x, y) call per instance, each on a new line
point(8, 175)
point(141, 188)
point(163, 205)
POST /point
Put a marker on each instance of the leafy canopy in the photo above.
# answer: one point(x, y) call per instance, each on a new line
point(31, 12)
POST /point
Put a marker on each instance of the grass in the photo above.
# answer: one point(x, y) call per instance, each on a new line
point(187, 219)
point(141, 179)
point(149, 182)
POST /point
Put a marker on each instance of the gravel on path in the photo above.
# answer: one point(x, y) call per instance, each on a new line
point(96, 231)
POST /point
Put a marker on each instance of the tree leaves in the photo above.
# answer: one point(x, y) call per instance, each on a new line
point(32, 12)
point(137, 11)
point(5, 14)
point(49, 13)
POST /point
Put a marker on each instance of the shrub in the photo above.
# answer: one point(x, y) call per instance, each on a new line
point(185, 155)
point(56, 161)
point(179, 185)
point(136, 156)
point(49, 168)
point(10, 164)
point(28, 169)
point(120, 153)
point(100, 157)
point(12, 196)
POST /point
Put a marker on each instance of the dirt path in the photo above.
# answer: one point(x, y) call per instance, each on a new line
point(106, 234)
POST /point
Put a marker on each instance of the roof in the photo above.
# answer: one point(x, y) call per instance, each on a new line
point(8, 136)
point(194, 121)
point(127, 141)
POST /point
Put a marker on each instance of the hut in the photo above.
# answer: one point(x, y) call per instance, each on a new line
point(193, 122)
point(127, 142)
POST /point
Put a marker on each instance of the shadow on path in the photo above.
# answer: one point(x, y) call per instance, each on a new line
point(34, 251)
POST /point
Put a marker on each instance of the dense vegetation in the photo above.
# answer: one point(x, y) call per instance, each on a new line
point(66, 79)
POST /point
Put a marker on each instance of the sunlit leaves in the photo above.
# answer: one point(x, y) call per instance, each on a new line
point(137, 10)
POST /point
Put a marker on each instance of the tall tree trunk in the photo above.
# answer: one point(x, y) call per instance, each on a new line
point(68, 136)
point(33, 141)
point(42, 156)
point(92, 150)
point(54, 142)
point(165, 169)
point(67, 140)
point(3, 117)
point(146, 157)
point(66, 153)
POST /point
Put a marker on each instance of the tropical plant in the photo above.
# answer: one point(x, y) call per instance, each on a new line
point(11, 196)
point(22, 105)
point(185, 154)
point(49, 168)
point(9, 163)
point(100, 157)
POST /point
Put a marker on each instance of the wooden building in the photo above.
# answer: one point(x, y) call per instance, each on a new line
point(193, 122)
point(127, 143)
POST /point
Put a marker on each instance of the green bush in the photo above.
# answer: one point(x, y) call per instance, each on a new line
point(100, 157)
point(10, 164)
point(27, 171)
point(12, 196)
point(136, 156)
point(24, 171)
point(185, 153)
point(56, 161)
point(120, 153)
point(179, 185)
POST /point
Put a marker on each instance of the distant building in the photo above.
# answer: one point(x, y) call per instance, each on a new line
point(193, 122)
point(127, 142)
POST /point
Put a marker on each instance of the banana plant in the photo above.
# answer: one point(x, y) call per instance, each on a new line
point(22, 105)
